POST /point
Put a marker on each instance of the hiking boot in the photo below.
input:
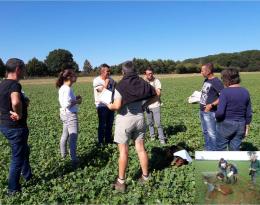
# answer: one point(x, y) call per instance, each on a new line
point(119, 187)
point(143, 180)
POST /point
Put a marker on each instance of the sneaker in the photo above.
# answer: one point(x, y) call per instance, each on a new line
point(75, 163)
point(119, 187)
point(162, 142)
point(143, 180)
point(12, 193)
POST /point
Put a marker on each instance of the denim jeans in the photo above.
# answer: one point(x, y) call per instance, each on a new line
point(208, 125)
point(18, 138)
point(105, 124)
point(230, 135)
point(154, 116)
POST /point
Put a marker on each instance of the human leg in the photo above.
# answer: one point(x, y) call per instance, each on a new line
point(109, 126)
point(73, 135)
point(142, 155)
point(101, 124)
point(18, 142)
point(239, 134)
point(208, 124)
point(157, 120)
point(64, 136)
point(149, 116)
point(26, 168)
point(225, 132)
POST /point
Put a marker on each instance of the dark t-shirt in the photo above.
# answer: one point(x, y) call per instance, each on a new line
point(210, 92)
point(7, 87)
point(233, 169)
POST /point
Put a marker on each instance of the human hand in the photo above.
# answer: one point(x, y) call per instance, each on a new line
point(15, 116)
point(207, 107)
point(106, 83)
point(79, 99)
point(247, 130)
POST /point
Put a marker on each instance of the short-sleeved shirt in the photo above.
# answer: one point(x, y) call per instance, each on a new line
point(233, 169)
point(7, 87)
point(98, 82)
point(210, 92)
point(157, 85)
point(129, 123)
point(66, 97)
point(134, 108)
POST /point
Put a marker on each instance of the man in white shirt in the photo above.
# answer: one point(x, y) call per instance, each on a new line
point(153, 111)
point(105, 116)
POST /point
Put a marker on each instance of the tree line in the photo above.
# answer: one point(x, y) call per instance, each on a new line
point(59, 59)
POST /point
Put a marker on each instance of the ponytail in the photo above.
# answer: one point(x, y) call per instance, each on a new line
point(63, 76)
point(60, 80)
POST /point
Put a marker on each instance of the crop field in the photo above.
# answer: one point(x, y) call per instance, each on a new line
point(56, 182)
point(243, 193)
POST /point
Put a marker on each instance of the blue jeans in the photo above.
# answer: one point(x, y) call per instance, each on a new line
point(105, 124)
point(18, 138)
point(230, 134)
point(208, 125)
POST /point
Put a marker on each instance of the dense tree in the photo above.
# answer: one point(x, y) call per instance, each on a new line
point(58, 60)
point(2, 68)
point(87, 67)
point(141, 65)
point(36, 68)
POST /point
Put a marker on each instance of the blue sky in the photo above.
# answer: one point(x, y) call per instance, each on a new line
point(112, 32)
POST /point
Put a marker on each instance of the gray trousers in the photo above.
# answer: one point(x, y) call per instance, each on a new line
point(253, 178)
point(154, 116)
point(69, 133)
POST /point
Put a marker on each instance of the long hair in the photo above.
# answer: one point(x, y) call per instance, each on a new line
point(64, 76)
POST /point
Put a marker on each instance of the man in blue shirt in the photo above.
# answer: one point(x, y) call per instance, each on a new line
point(208, 105)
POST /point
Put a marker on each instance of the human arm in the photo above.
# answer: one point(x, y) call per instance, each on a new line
point(117, 103)
point(221, 110)
point(209, 107)
point(248, 117)
point(78, 101)
point(16, 113)
point(99, 85)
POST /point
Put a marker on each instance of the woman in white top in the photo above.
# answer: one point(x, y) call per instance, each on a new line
point(68, 113)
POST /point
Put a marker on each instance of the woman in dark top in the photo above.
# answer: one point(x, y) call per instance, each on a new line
point(234, 112)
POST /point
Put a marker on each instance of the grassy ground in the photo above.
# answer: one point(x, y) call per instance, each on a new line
point(90, 184)
point(242, 192)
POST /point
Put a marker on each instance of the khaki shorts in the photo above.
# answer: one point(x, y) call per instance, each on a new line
point(129, 127)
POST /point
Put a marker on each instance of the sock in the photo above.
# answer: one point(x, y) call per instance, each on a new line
point(121, 181)
point(145, 177)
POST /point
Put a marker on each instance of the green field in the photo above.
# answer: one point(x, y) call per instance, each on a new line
point(242, 190)
point(55, 181)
